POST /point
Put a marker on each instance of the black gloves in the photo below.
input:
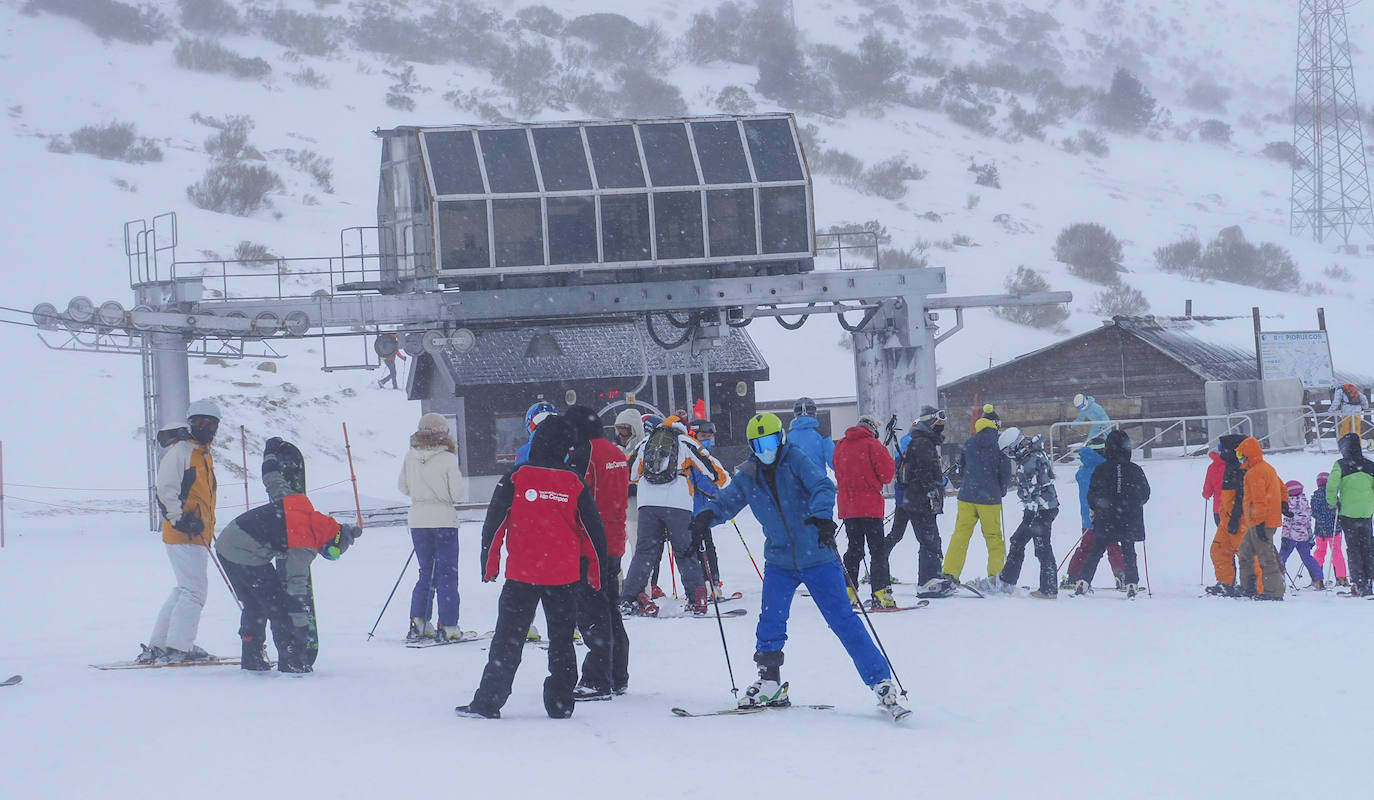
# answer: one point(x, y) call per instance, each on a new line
point(825, 531)
point(190, 524)
point(1216, 518)
point(1287, 512)
point(700, 528)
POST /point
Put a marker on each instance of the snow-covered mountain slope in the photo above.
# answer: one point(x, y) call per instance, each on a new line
point(64, 211)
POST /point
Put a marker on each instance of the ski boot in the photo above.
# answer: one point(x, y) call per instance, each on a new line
point(469, 711)
point(420, 628)
point(853, 597)
point(1081, 588)
point(1317, 586)
point(1067, 584)
point(449, 634)
point(1039, 595)
point(655, 592)
point(763, 692)
point(943, 586)
point(254, 655)
point(1002, 587)
point(1120, 581)
point(700, 603)
point(532, 635)
point(1342, 581)
point(584, 693)
point(1219, 590)
point(1130, 591)
point(149, 655)
point(887, 700)
point(646, 607)
point(882, 599)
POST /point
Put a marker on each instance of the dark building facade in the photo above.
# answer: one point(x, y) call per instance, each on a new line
point(486, 391)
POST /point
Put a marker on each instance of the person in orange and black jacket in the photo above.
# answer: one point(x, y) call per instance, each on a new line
point(1227, 504)
point(548, 522)
point(1261, 510)
point(288, 528)
point(604, 470)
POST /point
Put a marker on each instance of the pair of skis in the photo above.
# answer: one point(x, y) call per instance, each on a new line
point(898, 713)
point(209, 662)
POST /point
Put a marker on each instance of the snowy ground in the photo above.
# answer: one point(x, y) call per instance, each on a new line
point(1168, 696)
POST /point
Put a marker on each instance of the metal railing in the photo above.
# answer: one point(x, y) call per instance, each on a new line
point(1326, 424)
point(1302, 415)
point(1188, 443)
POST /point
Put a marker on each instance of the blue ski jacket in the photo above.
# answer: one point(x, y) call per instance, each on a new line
point(1094, 412)
point(798, 489)
point(804, 432)
point(1091, 459)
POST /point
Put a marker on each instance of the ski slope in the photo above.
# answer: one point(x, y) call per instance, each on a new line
point(1166, 696)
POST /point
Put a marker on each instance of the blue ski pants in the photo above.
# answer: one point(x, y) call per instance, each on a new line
point(436, 551)
point(827, 586)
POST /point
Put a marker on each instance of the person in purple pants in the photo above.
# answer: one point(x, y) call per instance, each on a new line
point(431, 479)
point(1297, 533)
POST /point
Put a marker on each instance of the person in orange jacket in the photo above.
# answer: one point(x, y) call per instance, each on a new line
point(1262, 513)
point(1227, 504)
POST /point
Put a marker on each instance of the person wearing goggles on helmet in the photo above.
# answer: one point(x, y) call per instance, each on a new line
point(805, 434)
point(919, 493)
point(703, 489)
point(1089, 410)
point(794, 501)
point(185, 488)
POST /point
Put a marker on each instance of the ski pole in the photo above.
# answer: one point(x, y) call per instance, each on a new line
point(1145, 549)
point(232, 593)
point(734, 690)
point(876, 638)
point(393, 594)
point(672, 573)
point(1060, 568)
point(353, 476)
point(746, 549)
point(1202, 564)
point(243, 445)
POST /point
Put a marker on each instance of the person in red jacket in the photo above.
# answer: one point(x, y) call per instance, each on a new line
point(863, 466)
point(602, 465)
point(1211, 485)
point(548, 522)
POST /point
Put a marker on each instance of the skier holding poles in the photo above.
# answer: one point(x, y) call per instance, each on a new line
point(793, 499)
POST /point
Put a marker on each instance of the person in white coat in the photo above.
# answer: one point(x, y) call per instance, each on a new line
point(431, 479)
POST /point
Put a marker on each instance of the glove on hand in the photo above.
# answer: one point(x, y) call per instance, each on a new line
point(190, 524)
point(1287, 512)
point(825, 531)
point(700, 528)
point(336, 547)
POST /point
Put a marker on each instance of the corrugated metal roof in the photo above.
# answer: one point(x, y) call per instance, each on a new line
point(610, 350)
point(1203, 345)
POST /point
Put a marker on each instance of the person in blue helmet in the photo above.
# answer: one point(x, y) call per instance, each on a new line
point(533, 417)
point(1089, 410)
point(794, 501)
point(804, 434)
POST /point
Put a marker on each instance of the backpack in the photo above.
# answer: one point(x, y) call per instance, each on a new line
point(1351, 393)
point(662, 465)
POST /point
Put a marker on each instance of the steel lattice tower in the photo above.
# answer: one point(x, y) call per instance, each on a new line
point(1330, 177)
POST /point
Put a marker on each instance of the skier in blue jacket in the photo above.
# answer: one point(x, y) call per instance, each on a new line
point(804, 433)
point(793, 500)
point(1089, 410)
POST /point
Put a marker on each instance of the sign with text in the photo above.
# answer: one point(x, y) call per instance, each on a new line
point(1305, 355)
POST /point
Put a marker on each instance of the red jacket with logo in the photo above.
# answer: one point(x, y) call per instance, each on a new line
point(863, 466)
point(608, 476)
point(548, 522)
point(1211, 485)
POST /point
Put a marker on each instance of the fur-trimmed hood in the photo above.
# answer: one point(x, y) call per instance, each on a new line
point(433, 440)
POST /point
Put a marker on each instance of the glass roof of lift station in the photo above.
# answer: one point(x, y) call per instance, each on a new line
point(548, 196)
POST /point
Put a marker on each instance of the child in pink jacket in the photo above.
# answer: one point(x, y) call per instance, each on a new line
point(1297, 532)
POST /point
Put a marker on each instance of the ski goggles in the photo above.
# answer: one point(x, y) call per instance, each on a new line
point(765, 443)
point(938, 416)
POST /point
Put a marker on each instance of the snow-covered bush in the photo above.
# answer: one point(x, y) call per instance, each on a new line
point(312, 34)
point(1121, 300)
point(715, 36)
point(116, 141)
point(1181, 257)
point(109, 19)
point(1214, 130)
point(528, 77)
point(246, 252)
point(1091, 251)
point(1282, 151)
point(540, 19)
point(643, 94)
point(1128, 106)
point(1206, 96)
point(893, 258)
point(209, 16)
point(205, 55)
point(735, 100)
point(887, 178)
point(230, 143)
point(873, 74)
point(379, 29)
point(1026, 281)
point(615, 39)
point(318, 167)
point(1093, 143)
point(1230, 257)
point(985, 174)
point(234, 188)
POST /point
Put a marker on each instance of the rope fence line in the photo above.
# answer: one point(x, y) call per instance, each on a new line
point(100, 509)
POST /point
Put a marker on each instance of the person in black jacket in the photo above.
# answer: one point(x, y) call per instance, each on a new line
point(922, 480)
point(548, 522)
point(1117, 495)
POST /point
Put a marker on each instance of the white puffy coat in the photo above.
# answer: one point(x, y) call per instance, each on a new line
point(431, 479)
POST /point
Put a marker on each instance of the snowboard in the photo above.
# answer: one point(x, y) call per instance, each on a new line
point(213, 662)
point(918, 604)
point(468, 636)
point(728, 712)
point(12, 680)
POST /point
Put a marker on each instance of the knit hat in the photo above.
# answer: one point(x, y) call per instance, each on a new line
point(1322, 478)
point(433, 423)
point(1294, 487)
point(990, 413)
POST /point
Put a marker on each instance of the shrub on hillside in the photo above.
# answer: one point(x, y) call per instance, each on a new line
point(1026, 281)
point(378, 29)
point(1091, 251)
point(319, 168)
point(1214, 130)
point(209, 16)
point(887, 178)
point(735, 100)
point(773, 44)
point(230, 142)
point(715, 36)
point(1206, 96)
point(619, 40)
point(642, 94)
point(933, 28)
point(1283, 151)
point(1128, 106)
point(973, 115)
point(205, 55)
point(893, 258)
point(234, 188)
point(1093, 143)
point(1181, 257)
point(871, 74)
point(115, 141)
point(1029, 123)
point(109, 19)
point(246, 251)
point(528, 77)
point(1121, 300)
point(1230, 257)
point(308, 76)
point(312, 34)
point(540, 19)
point(985, 174)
